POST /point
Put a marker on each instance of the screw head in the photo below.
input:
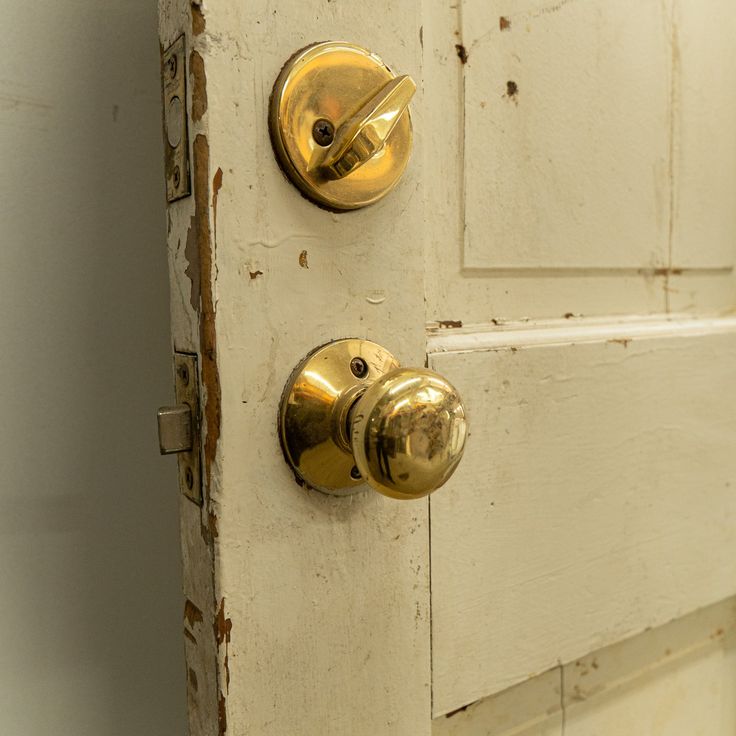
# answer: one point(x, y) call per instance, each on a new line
point(172, 66)
point(355, 473)
point(323, 132)
point(184, 374)
point(359, 367)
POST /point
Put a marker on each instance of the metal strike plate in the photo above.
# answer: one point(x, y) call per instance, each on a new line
point(187, 393)
point(176, 137)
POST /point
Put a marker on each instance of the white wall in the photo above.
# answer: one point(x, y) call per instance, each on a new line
point(90, 604)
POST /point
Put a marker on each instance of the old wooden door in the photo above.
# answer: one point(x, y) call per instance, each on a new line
point(561, 247)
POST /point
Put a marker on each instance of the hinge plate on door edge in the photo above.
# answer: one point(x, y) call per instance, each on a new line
point(176, 136)
point(187, 392)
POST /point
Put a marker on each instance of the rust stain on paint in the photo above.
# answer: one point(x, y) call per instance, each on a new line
point(450, 323)
point(462, 53)
point(191, 613)
point(512, 89)
point(504, 23)
point(255, 274)
point(199, 85)
point(303, 259)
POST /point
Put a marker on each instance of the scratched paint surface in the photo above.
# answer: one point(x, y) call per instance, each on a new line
point(595, 500)
point(603, 183)
point(674, 680)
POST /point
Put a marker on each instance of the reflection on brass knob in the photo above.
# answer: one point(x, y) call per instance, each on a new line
point(340, 126)
point(351, 415)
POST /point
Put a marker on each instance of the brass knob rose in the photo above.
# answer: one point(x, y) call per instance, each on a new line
point(350, 415)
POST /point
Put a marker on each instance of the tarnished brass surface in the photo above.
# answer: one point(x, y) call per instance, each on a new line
point(408, 433)
point(351, 415)
point(365, 104)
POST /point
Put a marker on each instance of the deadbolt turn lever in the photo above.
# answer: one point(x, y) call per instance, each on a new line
point(350, 415)
point(363, 135)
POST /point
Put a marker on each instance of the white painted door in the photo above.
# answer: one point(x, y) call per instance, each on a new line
point(561, 248)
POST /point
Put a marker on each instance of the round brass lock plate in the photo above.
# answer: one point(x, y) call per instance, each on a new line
point(315, 407)
point(320, 89)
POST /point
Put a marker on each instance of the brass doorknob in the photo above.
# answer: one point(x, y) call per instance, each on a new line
point(340, 126)
point(350, 415)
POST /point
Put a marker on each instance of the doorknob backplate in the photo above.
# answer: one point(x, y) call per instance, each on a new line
point(314, 417)
point(340, 125)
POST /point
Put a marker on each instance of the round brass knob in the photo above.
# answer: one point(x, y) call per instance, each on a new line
point(408, 432)
point(351, 415)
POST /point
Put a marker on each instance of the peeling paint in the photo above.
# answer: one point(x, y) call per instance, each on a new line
point(462, 53)
point(459, 710)
point(223, 628)
point(207, 336)
point(198, 20)
point(192, 613)
point(199, 85)
point(212, 525)
point(193, 270)
point(221, 716)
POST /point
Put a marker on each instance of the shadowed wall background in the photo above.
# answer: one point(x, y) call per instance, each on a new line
point(90, 611)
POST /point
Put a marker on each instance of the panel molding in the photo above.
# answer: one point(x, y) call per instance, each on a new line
point(479, 338)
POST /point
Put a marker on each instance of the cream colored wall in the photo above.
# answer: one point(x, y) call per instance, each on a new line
point(90, 603)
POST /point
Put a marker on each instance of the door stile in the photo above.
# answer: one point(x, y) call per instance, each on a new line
point(304, 614)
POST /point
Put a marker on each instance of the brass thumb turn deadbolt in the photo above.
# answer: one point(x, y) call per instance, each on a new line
point(350, 415)
point(340, 125)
